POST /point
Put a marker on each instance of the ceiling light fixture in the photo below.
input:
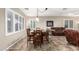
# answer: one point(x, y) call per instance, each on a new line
point(37, 19)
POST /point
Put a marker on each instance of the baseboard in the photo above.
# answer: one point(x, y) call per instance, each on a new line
point(13, 44)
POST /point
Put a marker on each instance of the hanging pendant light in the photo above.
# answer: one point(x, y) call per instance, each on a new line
point(37, 19)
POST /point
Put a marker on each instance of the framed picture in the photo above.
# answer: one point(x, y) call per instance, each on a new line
point(49, 23)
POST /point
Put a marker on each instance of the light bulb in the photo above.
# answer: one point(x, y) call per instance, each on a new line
point(37, 19)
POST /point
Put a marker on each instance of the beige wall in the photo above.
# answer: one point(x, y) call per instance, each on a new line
point(58, 21)
point(6, 41)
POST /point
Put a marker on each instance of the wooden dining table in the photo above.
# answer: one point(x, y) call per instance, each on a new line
point(37, 36)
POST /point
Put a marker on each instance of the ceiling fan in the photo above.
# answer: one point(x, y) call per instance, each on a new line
point(41, 10)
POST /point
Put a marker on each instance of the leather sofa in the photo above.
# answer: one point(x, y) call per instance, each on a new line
point(72, 36)
point(57, 31)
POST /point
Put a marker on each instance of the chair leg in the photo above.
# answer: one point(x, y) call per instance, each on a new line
point(48, 39)
point(40, 44)
point(28, 38)
point(35, 45)
point(27, 41)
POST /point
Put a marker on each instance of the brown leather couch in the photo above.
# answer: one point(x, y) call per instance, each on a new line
point(72, 36)
point(57, 31)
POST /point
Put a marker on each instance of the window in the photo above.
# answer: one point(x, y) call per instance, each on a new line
point(14, 22)
point(71, 23)
point(32, 24)
point(22, 23)
point(9, 22)
point(78, 25)
point(68, 23)
point(19, 23)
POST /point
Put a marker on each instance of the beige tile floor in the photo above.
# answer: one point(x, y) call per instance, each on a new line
point(56, 43)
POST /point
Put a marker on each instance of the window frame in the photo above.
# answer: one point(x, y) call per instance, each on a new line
point(69, 24)
point(14, 13)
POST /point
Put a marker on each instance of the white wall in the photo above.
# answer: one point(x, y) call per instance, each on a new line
point(58, 21)
point(42, 22)
point(6, 41)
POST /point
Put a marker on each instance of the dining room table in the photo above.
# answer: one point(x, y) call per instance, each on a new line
point(38, 36)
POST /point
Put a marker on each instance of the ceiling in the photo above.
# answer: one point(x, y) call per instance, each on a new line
point(53, 12)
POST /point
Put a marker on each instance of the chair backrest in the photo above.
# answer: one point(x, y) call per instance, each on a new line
point(28, 31)
point(39, 31)
point(37, 36)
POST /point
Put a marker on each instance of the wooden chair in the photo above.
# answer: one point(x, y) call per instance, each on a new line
point(41, 35)
point(29, 36)
point(37, 40)
point(46, 36)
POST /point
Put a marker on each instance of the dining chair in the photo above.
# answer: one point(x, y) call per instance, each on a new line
point(41, 35)
point(37, 40)
point(46, 36)
point(29, 36)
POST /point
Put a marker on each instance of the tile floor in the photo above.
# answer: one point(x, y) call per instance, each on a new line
point(56, 43)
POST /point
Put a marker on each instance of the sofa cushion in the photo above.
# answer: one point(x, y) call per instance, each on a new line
point(72, 36)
